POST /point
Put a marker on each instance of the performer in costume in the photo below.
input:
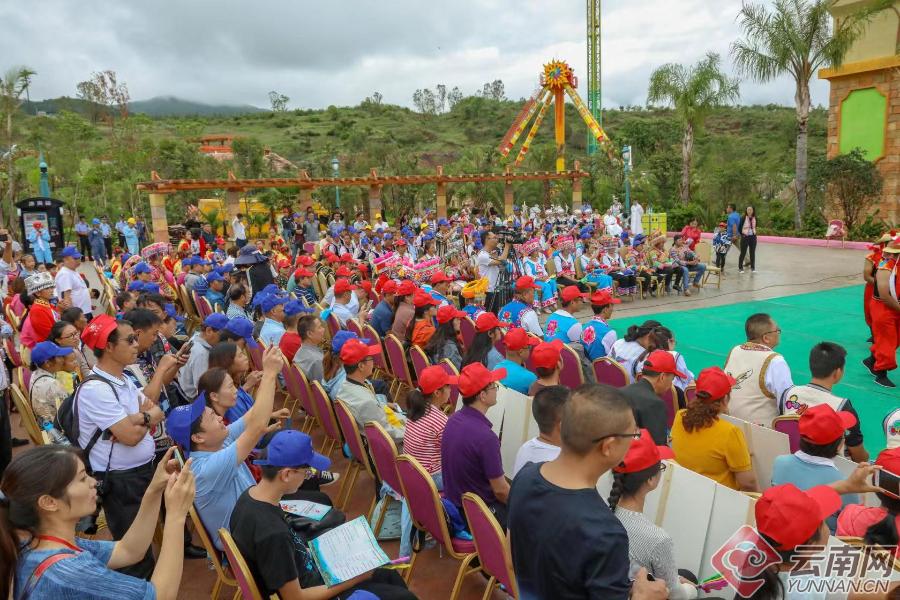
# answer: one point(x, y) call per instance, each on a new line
point(598, 336)
point(536, 268)
point(885, 310)
point(870, 267)
point(519, 311)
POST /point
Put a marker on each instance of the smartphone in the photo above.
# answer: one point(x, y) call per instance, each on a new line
point(889, 482)
point(4, 237)
point(186, 348)
point(179, 457)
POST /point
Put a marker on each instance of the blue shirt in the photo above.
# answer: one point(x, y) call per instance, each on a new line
point(382, 318)
point(83, 577)
point(220, 480)
point(798, 469)
point(494, 358)
point(734, 224)
point(81, 228)
point(243, 403)
point(271, 332)
point(517, 377)
point(214, 298)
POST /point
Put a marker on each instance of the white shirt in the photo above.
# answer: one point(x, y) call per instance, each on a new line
point(486, 269)
point(637, 211)
point(534, 450)
point(778, 377)
point(530, 323)
point(99, 407)
point(240, 232)
point(625, 353)
point(68, 280)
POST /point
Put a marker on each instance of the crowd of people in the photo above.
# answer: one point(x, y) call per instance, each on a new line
point(501, 302)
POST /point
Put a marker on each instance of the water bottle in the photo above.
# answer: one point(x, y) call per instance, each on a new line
point(55, 436)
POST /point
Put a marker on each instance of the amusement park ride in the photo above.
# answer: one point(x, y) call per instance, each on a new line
point(556, 82)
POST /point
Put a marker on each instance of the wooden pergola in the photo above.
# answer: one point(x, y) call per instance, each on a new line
point(158, 188)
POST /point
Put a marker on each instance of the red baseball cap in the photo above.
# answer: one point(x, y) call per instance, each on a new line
point(355, 350)
point(366, 285)
point(389, 287)
point(475, 377)
point(305, 260)
point(406, 287)
point(343, 271)
point(487, 321)
point(433, 378)
point(347, 257)
point(643, 454)
point(715, 382)
point(331, 257)
point(889, 460)
point(301, 272)
point(821, 425)
point(662, 361)
point(440, 277)
point(604, 297)
point(96, 334)
point(448, 312)
point(517, 339)
point(526, 283)
point(422, 298)
point(571, 292)
point(343, 285)
point(790, 516)
point(400, 242)
point(546, 354)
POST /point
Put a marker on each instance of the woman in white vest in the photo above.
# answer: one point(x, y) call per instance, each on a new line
point(826, 363)
point(628, 349)
point(762, 374)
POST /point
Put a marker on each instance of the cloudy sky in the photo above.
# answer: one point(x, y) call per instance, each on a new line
point(340, 51)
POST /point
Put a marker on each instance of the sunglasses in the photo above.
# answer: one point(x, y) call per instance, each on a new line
point(634, 436)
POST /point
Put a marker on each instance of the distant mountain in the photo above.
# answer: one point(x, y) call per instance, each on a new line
point(170, 106)
point(160, 106)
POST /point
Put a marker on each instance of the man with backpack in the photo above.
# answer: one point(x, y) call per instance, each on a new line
point(111, 418)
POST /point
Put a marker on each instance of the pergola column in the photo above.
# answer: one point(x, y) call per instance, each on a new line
point(441, 195)
point(576, 193)
point(305, 198)
point(158, 217)
point(232, 207)
point(507, 195)
point(374, 202)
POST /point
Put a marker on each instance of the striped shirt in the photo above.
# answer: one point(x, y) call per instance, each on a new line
point(423, 439)
point(649, 546)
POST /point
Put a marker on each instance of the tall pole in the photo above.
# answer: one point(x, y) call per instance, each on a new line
point(336, 166)
point(594, 71)
point(626, 161)
point(560, 127)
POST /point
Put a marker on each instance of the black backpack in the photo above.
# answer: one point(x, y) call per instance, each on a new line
point(67, 416)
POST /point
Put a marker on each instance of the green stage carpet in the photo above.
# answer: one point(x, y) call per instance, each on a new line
point(705, 335)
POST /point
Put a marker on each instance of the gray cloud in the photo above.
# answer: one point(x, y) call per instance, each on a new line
point(232, 51)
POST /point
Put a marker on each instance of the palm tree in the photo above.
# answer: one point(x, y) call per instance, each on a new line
point(13, 85)
point(796, 37)
point(694, 92)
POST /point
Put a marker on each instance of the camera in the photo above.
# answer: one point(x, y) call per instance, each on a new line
point(512, 236)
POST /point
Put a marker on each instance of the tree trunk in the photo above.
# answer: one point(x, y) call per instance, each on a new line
point(802, 161)
point(687, 151)
point(9, 166)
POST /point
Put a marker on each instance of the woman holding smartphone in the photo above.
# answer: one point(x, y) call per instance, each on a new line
point(748, 239)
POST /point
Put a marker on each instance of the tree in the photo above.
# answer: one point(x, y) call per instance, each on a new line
point(90, 92)
point(494, 90)
point(796, 38)
point(113, 94)
point(13, 86)
point(278, 101)
point(441, 97)
point(694, 92)
point(853, 184)
point(249, 156)
point(453, 97)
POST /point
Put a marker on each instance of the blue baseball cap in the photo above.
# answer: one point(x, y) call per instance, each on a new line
point(180, 419)
point(187, 261)
point(291, 448)
point(337, 342)
point(442, 222)
point(388, 236)
point(638, 240)
point(242, 327)
point(95, 221)
point(585, 235)
point(201, 261)
point(225, 269)
point(217, 321)
point(271, 301)
point(214, 276)
point(136, 286)
point(352, 229)
point(151, 288)
point(70, 251)
point(295, 307)
point(142, 267)
point(172, 312)
point(270, 289)
point(45, 351)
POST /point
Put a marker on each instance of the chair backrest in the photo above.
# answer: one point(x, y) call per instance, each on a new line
point(490, 542)
point(333, 325)
point(835, 228)
point(28, 419)
point(369, 333)
point(353, 325)
point(347, 422)
point(610, 372)
point(571, 374)
point(690, 393)
point(211, 552)
point(704, 251)
point(790, 425)
point(291, 380)
point(204, 308)
point(305, 397)
point(383, 451)
point(325, 412)
point(22, 376)
point(419, 360)
point(242, 573)
point(454, 389)
point(397, 359)
point(467, 330)
point(422, 499)
point(12, 352)
point(255, 355)
point(670, 400)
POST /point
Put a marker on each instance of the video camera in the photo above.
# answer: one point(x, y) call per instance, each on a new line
point(510, 236)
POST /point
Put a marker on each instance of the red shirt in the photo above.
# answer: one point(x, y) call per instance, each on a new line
point(693, 233)
point(289, 344)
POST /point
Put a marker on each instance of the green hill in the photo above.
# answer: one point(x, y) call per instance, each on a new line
point(159, 106)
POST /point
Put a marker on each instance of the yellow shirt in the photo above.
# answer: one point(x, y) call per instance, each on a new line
point(717, 452)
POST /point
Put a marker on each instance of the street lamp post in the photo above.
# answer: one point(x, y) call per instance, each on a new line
point(335, 168)
point(626, 161)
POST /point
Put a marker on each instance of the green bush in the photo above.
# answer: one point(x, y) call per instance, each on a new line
point(870, 229)
point(680, 215)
